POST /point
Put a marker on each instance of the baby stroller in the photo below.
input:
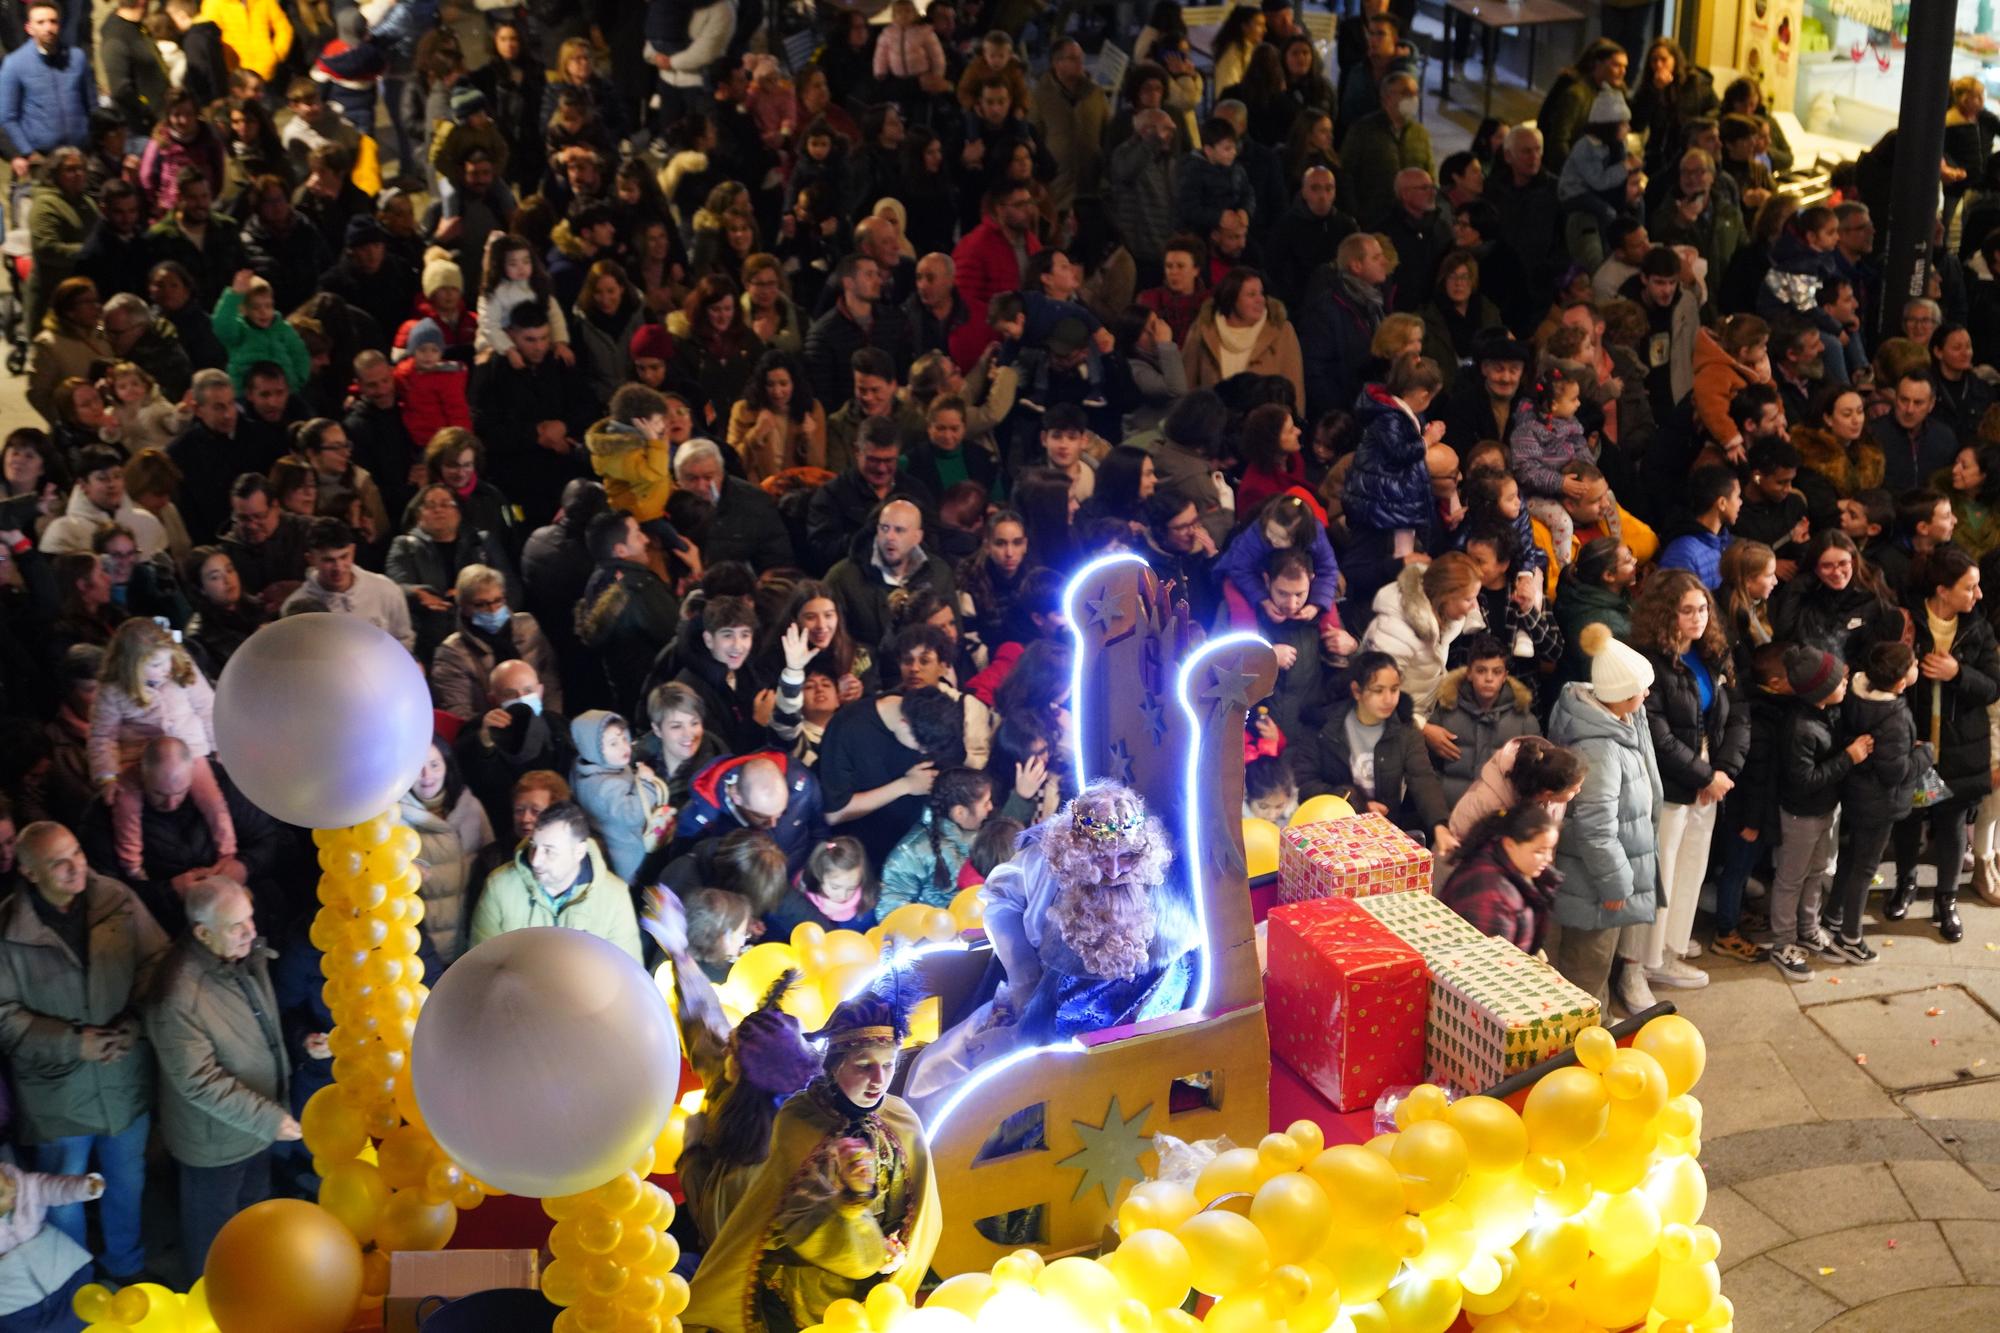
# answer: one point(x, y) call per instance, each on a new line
point(14, 294)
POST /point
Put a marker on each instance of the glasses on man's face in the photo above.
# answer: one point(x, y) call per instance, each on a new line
point(1182, 529)
point(488, 603)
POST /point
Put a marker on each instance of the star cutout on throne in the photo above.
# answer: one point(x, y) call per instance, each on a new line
point(1156, 718)
point(1110, 1153)
point(1228, 686)
point(1121, 762)
point(1106, 608)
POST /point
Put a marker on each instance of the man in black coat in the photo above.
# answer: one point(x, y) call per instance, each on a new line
point(371, 279)
point(1342, 310)
point(532, 420)
point(1306, 237)
point(517, 735)
point(213, 453)
point(627, 613)
point(842, 507)
point(555, 569)
point(180, 849)
point(1481, 407)
point(1419, 234)
point(208, 247)
point(266, 544)
point(134, 78)
point(118, 254)
point(733, 519)
point(375, 428)
point(862, 317)
point(1531, 219)
point(207, 74)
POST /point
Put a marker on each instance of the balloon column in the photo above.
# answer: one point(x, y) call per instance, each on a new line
point(1580, 1212)
point(380, 1171)
point(612, 1262)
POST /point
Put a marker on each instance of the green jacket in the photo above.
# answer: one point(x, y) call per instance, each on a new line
point(1579, 604)
point(515, 900)
point(247, 344)
point(224, 1075)
point(47, 997)
point(57, 228)
point(1370, 156)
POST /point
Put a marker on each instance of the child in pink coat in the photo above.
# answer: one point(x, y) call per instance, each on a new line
point(40, 1267)
point(149, 687)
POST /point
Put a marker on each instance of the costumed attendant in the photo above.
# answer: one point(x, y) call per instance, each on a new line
point(1089, 929)
point(767, 1061)
point(845, 1200)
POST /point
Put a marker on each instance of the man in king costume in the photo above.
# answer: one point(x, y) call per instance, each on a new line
point(1090, 930)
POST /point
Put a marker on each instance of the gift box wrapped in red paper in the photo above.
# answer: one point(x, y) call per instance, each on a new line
point(1346, 1001)
point(1349, 858)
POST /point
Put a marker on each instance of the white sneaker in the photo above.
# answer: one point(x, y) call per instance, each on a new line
point(1677, 975)
point(1694, 950)
point(1632, 991)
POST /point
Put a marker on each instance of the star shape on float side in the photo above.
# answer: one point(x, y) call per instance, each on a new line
point(1110, 1153)
point(1155, 716)
point(1228, 686)
point(1105, 608)
point(1121, 762)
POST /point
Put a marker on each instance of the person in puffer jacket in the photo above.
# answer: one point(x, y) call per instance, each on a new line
point(1388, 488)
point(1608, 853)
point(451, 828)
point(627, 803)
point(1545, 436)
point(1881, 789)
point(1417, 619)
point(431, 388)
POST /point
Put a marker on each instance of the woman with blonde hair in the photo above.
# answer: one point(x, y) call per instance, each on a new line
point(1417, 619)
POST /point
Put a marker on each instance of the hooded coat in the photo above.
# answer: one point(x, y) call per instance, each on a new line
point(1482, 732)
point(448, 842)
point(621, 801)
point(636, 471)
point(1609, 852)
point(1717, 377)
point(627, 615)
point(1406, 627)
point(1388, 487)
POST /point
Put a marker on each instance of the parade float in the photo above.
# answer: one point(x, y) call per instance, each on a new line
point(1530, 1169)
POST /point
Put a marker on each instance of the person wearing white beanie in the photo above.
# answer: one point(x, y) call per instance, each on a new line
point(443, 300)
point(1609, 855)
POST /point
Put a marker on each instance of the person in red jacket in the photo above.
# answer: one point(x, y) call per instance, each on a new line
point(433, 389)
point(1505, 880)
point(991, 257)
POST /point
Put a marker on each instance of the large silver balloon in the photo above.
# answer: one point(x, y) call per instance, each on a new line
point(323, 720)
point(545, 1061)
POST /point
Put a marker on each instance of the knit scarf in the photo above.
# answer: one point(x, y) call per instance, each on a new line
point(1364, 295)
point(1237, 344)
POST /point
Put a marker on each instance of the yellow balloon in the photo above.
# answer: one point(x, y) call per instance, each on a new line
point(1249, 1312)
point(1565, 1112)
point(1614, 1296)
point(965, 1293)
point(1432, 1160)
point(1364, 1190)
point(1553, 1253)
point(92, 1303)
point(1420, 1304)
point(1495, 1138)
point(762, 964)
point(1501, 1206)
point(1277, 1153)
point(1309, 1136)
point(1623, 1228)
point(1260, 847)
point(1677, 1045)
point(1227, 1253)
point(411, 1222)
point(847, 946)
point(1363, 1262)
point(1318, 810)
point(1426, 1101)
point(1481, 1304)
point(406, 1156)
point(907, 922)
point(808, 935)
point(885, 1302)
point(355, 1192)
point(1594, 1048)
point(1636, 1076)
point(283, 1264)
point(1687, 1290)
point(334, 1126)
point(667, 1147)
point(1083, 1286)
point(968, 908)
point(1158, 1205)
point(1449, 1242)
point(1231, 1172)
point(1679, 1190)
point(1293, 1212)
point(1152, 1266)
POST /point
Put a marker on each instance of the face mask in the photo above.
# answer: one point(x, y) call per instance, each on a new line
point(492, 621)
point(1407, 108)
point(533, 702)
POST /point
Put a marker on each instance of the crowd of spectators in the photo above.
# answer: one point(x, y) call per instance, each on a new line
point(719, 436)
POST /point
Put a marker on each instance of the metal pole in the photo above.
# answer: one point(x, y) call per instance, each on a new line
point(1914, 186)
